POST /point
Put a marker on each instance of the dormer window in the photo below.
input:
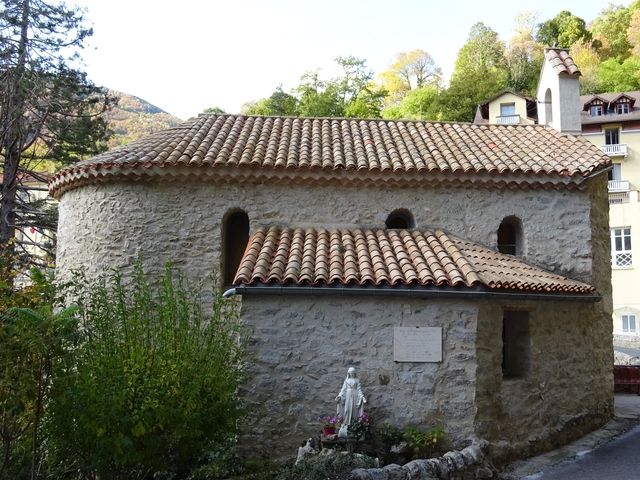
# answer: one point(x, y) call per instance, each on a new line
point(622, 108)
point(596, 110)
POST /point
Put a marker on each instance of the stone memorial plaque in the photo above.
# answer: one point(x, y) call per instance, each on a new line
point(417, 344)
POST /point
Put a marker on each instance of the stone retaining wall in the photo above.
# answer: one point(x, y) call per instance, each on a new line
point(470, 463)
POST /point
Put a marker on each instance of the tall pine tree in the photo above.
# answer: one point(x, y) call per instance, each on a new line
point(49, 110)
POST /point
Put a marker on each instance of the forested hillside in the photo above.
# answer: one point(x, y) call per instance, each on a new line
point(607, 51)
point(133, 118)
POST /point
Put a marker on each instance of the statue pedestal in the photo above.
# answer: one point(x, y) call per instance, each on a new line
point(344, 444)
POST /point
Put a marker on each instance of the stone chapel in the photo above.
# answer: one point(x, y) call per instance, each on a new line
point(463, 269)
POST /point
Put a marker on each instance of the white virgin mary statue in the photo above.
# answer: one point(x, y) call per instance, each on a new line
point(350, 401)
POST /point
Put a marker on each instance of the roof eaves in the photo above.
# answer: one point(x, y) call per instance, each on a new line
point(416, 291)
point(317, 176)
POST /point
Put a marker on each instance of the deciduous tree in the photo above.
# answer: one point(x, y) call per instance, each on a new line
point(410, 70)
point(563, 30)
point(610, 30)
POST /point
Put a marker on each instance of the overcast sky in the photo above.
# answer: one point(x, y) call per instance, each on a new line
point(186, 55)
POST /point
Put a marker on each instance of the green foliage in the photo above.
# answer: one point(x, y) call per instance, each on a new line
point(480, 73)
point(216, 110)
point(483, 52)
point(337, 466)
point(421, 443)
point(349, 95)
point(459, 102)
point(417, 104)
point(152, 385)
point(524, 57)
point(34, 340)
point(616, 77)
point(279, 103)
point(410, 70)
point(49, 111)
point(563, 30)
point(610, 30)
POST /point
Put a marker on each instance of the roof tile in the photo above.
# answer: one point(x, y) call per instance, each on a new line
point(345, 147)
point(389, 257)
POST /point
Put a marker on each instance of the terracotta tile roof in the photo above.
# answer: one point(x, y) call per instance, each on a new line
point(345, 150)
point(561, 61)
point(388, 257)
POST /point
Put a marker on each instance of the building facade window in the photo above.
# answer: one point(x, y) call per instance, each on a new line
point(621, 255)
point(509, 235)
point(616, 172)
point(629, 324)
point(507, 109)
point(596, 110)
point(622, 108)
point(612, 136)
point(516, 344)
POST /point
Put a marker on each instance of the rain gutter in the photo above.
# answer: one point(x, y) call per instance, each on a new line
point(421, 292)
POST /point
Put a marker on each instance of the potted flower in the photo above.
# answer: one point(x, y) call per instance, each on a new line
point(361, 427)
point(329, 424)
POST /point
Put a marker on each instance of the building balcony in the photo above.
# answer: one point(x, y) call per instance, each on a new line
point(617, 198)
point(508, 120)
point(615, 150)
point(617, 186)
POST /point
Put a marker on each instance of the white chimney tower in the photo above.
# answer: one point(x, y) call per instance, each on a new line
point(559, 92)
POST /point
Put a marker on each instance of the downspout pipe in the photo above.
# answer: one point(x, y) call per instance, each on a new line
point(409, 292)
point(229, 293)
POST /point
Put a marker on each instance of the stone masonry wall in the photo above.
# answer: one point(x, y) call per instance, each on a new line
point(110, 225)
point(568, 391)
point(303, 345)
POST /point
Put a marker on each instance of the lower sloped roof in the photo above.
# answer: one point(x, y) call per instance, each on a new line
point(389, 258)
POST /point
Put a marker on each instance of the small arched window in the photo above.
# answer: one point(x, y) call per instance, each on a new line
point(548, 107)
point(510, 236)
point(400, 219)
point(235, 236)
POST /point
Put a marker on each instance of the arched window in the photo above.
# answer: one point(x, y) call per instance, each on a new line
point(548, 110)
point(235, 236)
point(510, 236)
point(399, 219)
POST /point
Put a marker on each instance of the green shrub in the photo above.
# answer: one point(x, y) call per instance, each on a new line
point(423, 444)
point(323, 467)
point(33, 341)
point(152, 385)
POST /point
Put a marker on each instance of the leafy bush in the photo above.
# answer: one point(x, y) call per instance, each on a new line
point(152, 385)
point(321, 467)
point(33, 341)
point(423, 444)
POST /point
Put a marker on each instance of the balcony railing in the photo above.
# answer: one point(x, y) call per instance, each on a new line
point(615, 149)
point(618, 186)
point(616, 198)
point(508, 119)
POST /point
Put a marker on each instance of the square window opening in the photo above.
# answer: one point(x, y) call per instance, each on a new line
point(507, 109)
point(629, 324)
point(612, 136)
point(621, 253)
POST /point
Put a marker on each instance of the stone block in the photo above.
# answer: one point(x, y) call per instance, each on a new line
point(396, 472)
